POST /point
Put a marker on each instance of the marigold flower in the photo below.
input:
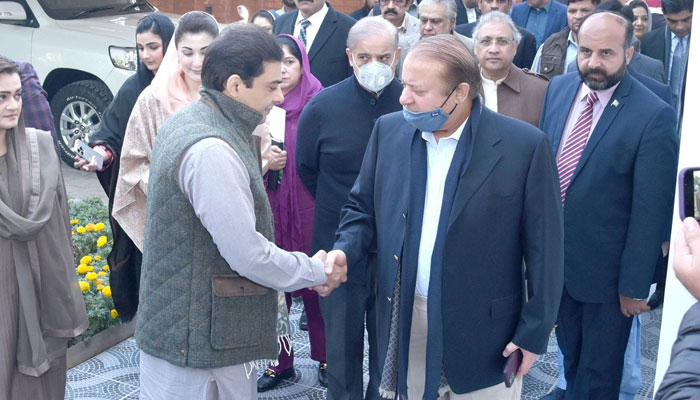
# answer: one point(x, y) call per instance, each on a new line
point(84, 286)
point(114, 313)
point(105, 268)
point(98, 258)
point(99, 282)
point(107, 292)
point(99, 226)
point(101, 273)
point(101, 241)
point(82, 268)
point(100, 287)
point(91, 268)
point(74, 222)
point(80, 230)
point(90, 227)
point(86, 260)
point(91, 276)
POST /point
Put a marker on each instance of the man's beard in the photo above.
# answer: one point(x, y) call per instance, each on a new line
point(607, 82)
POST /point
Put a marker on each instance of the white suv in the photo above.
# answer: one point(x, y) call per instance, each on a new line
point(83, 50)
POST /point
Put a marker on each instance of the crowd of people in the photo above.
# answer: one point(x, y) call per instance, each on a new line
point(468, 176)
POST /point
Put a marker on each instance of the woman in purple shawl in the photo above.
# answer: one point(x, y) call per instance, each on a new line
point(292, 205)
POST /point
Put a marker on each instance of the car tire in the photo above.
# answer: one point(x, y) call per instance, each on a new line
point(77, 113)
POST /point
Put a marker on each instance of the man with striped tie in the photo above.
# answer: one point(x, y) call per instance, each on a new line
point(617, 153)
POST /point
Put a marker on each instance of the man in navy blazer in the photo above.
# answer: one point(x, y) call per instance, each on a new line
point(531, 13)
point(326, 38)
point(455, 197)
point(526, 47)
point(617, 206)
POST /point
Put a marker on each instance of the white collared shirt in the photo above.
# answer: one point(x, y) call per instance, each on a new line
point(491, 92)
point(312, 30)
point(604, 97)
point(439, 159)
point(471, 15)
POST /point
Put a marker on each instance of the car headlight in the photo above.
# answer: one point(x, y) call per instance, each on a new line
point(123, 57)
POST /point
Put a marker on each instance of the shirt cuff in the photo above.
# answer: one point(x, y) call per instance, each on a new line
point(318, 270)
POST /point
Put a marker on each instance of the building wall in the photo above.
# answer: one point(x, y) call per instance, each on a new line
point(225, 10)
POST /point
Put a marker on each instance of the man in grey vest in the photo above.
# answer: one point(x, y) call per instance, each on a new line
point(211, 274)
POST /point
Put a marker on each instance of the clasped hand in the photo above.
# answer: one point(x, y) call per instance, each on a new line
point(336, 269)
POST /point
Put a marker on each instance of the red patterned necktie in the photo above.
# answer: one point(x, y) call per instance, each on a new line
point(575, 143)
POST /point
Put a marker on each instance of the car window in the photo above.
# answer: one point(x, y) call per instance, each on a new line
point(74, 9)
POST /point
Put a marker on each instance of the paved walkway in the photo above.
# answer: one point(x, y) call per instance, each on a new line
point(114, 374)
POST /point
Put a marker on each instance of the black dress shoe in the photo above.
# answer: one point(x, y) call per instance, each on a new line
point(556, 394)
point(270, 379)
point(303, 321)
point(323, 374)
point(656, 299)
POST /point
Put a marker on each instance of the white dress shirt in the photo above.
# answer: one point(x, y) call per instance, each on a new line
point(439, 159)
point(491, 92)
point(471, 15)
point(312, 30)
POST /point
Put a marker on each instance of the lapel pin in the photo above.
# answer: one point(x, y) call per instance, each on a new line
point(615, 103)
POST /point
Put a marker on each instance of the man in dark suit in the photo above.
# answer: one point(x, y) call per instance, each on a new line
point(334, 129)
point(541, 17)
point(616, 154)
point(526, 47)
point(670, 45)
point(455, 197)
point(324, 31)
point(364, 11)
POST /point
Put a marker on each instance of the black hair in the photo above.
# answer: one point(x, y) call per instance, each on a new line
point(676, 6)
point(629, 29)
point(160, 25)
point(263, 14)
point(8, 66)
point(196, 22)
point(242, 49)
point(291, 45)
point(595, 2)
point(616, 7)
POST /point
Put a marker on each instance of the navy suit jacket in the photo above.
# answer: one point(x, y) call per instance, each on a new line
point(327, 57)
point(526, 49)
point(620, 201)
point(506, 209)
point(556, 20)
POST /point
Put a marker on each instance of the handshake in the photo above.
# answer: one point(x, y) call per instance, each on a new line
point(336, 268)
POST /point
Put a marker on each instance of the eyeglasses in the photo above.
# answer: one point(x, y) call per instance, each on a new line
point(500, 42)
point(399, 3)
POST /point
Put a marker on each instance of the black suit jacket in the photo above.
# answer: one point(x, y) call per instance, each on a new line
point(329, 63)
point(526, 49)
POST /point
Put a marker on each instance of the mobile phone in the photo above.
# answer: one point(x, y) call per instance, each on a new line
point(689, 193)
point(83, 150)
point(511, 368)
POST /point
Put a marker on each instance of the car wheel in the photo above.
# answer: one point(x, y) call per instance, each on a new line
point(77, 112)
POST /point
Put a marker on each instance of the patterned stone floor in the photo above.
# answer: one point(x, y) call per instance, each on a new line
point(114, 374)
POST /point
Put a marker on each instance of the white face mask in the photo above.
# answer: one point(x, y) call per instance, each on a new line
point(375, 75)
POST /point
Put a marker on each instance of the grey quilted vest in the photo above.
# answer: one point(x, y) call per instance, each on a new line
point(195, 311)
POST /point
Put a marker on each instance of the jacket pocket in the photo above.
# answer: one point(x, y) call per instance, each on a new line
point(237, 306)
point(506, 306)
point(548, 63)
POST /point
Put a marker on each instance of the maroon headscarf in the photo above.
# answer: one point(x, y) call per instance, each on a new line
point(292, 205)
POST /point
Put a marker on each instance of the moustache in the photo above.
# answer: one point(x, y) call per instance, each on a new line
point(390, 12)
point(595, 71)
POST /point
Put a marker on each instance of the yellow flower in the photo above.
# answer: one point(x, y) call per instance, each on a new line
point(91, 276)
point(99, 282)
point(105, 268)
point(99, 226)
point(100, 287)
point(90, 268)
point(84, 286)
point(101, 273)
point(90, 227)
point(114, 313)
point(81, 230)
point(107, 291)
point(74, 222)
point(82, 268)
point(101, 241)
point(98, 258)
point(72, 233)
point(86, 260)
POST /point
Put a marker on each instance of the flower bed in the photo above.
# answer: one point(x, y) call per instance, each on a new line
point(92, 242)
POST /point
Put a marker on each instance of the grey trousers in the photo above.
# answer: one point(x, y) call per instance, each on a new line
point(345, 312)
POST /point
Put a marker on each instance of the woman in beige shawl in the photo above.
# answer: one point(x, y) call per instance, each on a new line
point(175, 85)
point(41, 306)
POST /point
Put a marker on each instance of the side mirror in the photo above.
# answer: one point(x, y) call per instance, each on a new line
point(11, 11)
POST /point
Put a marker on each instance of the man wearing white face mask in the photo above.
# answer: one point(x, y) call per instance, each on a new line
point(334, 129)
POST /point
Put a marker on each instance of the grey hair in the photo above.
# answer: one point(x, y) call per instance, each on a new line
point(371, 27)
point(450, 7)
point(496, 16)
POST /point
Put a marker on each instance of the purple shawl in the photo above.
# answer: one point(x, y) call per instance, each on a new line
point(292, 205)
